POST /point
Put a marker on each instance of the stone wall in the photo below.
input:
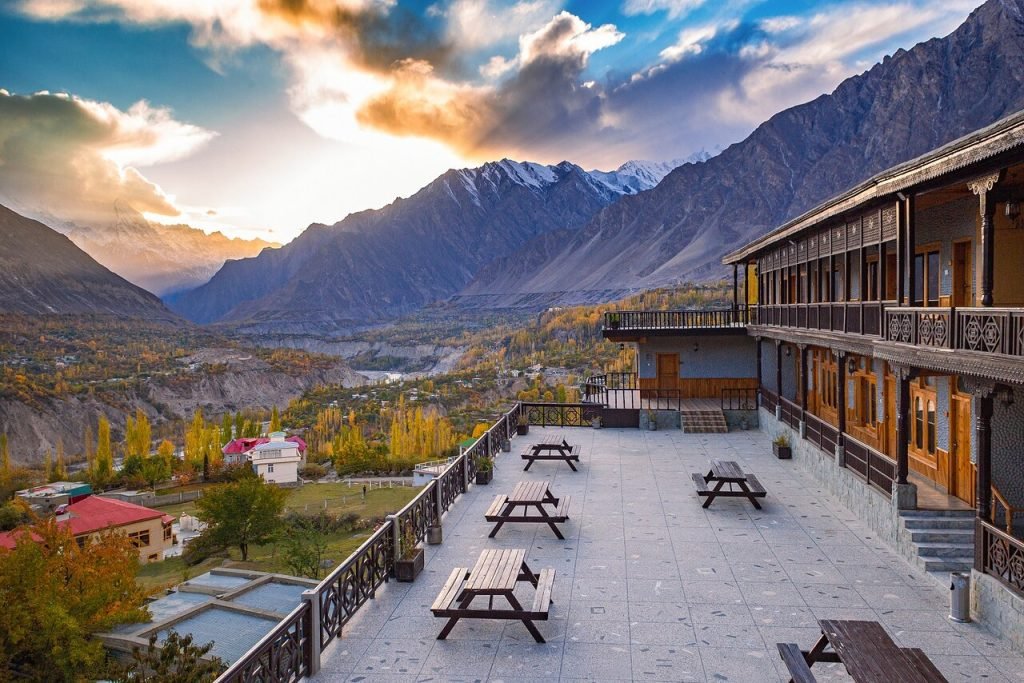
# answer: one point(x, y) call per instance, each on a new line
point(998, 608)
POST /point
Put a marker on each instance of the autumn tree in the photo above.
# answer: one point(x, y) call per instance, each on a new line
point(5, 454)
point(275, 420)
point(103, 465)
point(242, 513)
point(60, 470)
point(226, 428)
point(56, 593)
point(176, 660)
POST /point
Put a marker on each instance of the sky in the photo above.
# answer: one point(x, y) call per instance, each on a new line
point(259, 117)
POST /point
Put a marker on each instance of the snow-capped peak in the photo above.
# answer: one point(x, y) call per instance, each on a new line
point(639, 175)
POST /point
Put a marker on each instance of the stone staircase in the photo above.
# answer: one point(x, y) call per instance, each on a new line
point(703, 422)
point(944, 539)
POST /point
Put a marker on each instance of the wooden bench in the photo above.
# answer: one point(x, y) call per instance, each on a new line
point(493, 513)
point(568, 458)
point(728, 473)
point(542, 598)
point(450, 593)
point(503, 510)
point(797, 664)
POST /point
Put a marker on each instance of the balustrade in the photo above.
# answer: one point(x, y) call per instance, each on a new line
point(999, 555)
point(676, 320)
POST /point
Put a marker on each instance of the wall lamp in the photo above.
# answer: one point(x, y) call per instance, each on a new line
point(1005, 395)
point(788, 352)
point(851, 365)
point(696, 347)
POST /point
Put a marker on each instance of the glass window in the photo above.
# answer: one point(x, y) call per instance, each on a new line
point(838, 279)
point(918, 298)
point(918, 423)
point(854, 275)
point(931, 427)
point(933, 278)
point(871, 286)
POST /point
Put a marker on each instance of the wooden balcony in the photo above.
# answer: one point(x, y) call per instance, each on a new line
point(984, 330)
point(851, 317)
point(631, 325)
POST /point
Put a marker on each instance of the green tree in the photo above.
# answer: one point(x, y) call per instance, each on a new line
point(55, 594)
point(60, 470)
point(5, 454)
point(103, 466)
point(239, 424)
point(176, 660)
point(304, 549)
point(242, 513)
point(225, 429)
point(275, 420)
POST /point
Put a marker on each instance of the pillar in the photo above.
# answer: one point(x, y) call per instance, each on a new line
point(802, 389)
point(983, 435)
point(901, 266)
point(735, 288)
point(982, 188)
point(902, 426)
point(778, 379)
point(841, 405)
point(910, 242)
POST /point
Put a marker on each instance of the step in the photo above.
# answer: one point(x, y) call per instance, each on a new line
point(946, 550)
point(703, 422)
point(943, 564)
point(966, 514)
point(956, 536)
point(938, 523)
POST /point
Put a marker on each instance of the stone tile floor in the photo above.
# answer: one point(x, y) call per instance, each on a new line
point(651, 587)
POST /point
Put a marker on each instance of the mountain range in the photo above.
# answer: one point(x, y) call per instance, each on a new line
point(376, 265)
point(522, 234)
point(43, 272)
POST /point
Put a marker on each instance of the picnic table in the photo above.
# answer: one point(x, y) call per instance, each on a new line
point(867, 652)
point(728, 472)
point(526, 495)
point(552, 451)
point(495, 574)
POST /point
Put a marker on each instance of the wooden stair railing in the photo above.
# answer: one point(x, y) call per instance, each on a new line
point(999, 499)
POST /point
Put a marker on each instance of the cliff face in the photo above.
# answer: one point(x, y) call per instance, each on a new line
point(912, 102)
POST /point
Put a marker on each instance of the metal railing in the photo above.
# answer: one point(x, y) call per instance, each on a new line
point(292, 650)
point(739, 399)
point(999, 555)
point(561, 414)
point(677, 320)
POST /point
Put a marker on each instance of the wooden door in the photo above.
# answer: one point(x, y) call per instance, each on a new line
point(961, 470)
point(962, 274)
point(668, 370)
point(890, 416)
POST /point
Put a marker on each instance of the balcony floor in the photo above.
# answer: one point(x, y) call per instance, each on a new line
point(650, 586)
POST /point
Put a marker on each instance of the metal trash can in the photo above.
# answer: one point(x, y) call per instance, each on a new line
point(960, 597)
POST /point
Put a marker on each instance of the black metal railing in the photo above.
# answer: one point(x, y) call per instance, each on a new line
point(739, 399)
point(677, 320)
point(561, 414)
point(852, 317)
point(281, 656)
point(999, 555)
point(877, 469)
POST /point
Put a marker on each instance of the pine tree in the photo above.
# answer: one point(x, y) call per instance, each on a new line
point(239, 424)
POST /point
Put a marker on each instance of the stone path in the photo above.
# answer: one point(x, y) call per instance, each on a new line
point(651, 587)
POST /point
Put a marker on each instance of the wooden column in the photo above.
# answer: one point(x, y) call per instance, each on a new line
point(778, 368)
point(757, 344)
point(901, 266)
point(841, 393)
point(902, 424)
point(983, 434)
point(735, 288)
point(910, 246)
point(803, 381)
point(982, 187)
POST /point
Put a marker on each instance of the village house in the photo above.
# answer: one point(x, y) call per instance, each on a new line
point(241, 450)
point(277, 460)
point(151, 531)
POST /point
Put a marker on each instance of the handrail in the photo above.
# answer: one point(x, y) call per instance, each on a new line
point(263, 661)
point(1008, 509)
point(737, 316)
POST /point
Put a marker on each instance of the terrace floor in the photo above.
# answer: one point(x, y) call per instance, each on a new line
point(650, 586)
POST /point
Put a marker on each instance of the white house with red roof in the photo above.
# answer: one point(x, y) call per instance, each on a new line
point(277, 460)
point(241, 450)
point(150, 530)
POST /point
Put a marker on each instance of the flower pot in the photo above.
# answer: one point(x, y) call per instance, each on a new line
point(434, 535)
point(522, 430)
point(782, 452)
point(596, 423)
point(408, 568)
point(506, 446)
point(484, 477)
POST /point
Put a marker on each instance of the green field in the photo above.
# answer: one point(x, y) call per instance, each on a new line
point(309, 498)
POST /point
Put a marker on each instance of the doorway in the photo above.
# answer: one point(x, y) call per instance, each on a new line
point(962, 274)
point(961, 470)
point(668, 371)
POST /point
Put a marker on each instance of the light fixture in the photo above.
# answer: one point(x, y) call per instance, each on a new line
point(696, 347)
point(789, 352)
point(1012, 210)
point(622, 347)
point(1005, 395)
point(851, 365)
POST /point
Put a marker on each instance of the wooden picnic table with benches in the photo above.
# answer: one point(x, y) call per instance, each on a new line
point(867, 652)
point(496, 573)
point(552, 451)
point(727, 472)
point(526, 495)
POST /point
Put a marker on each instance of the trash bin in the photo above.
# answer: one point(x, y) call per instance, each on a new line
point(960, 597)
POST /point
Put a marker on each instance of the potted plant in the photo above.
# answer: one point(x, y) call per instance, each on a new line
point(434, 535)
point(781, 447)
point(652, 420)
point(613, 321)
point(484, 470)
point(410, 564)
point(522, 425)
point(506, 445)
point(595, 422)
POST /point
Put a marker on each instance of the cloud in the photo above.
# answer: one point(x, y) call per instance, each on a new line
point(674, 8)
point(76, 157)
point(479, 24)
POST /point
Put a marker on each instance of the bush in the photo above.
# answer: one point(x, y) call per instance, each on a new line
point(12, 515)
point(313, 471)
point(200, 548)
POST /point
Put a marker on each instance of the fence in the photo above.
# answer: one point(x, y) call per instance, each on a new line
point(292, 650)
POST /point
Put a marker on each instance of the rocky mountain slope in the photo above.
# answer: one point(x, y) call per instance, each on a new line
point(162, 259)
point(912, 102)
point(43, 272)
point(379, 264)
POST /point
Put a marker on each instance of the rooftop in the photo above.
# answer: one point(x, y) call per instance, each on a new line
point(651, 586)
point(96, 513)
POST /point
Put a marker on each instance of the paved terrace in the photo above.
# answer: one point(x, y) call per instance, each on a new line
point(650, 586)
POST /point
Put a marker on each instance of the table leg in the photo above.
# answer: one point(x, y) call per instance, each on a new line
point(544, 513)
point(571, 465)
point(525, 574)
point(817, 650)
point(718, 487)
point(529, 461)
point(463, 604)
point(528, 623)
point(750, 496)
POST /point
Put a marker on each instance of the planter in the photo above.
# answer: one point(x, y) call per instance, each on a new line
point(596, 423)
point(506, 446)
point(407, 569)
point(652, 425)
point(522, 430)
point(483, 477)
point(782, 452)
point(434, 535)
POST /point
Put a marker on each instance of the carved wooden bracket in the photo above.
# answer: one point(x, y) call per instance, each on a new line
point(984, 184)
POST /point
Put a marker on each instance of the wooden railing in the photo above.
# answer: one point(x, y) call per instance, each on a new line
point(821, 434)
point(985, 330)
point(790, 412)
point(1008, 510)
point(877, 469)
point(852, 317)
point(999, 555)
point(676, 320)
point(769, 399)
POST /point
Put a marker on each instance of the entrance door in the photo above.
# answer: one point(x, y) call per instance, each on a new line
point(890, 415)
point(668, 370)
point(962, 274)
point(961, 470)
